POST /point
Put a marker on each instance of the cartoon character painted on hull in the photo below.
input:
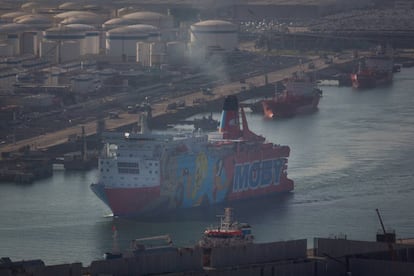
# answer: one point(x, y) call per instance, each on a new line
point(202, 181)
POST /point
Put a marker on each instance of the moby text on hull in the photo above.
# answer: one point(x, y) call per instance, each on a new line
point(143, 172)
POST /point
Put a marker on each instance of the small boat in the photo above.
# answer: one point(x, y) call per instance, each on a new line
point(228, 233)
point(206, 123)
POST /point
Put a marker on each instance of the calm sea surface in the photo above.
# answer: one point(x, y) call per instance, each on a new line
point(354, 155)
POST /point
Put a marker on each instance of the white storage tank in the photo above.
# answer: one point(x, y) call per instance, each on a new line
point(36, 21)
point(73, 14)
point(121, 42)
point(165, 23)
point(214, 33)
point(70, 6)
point(115, 23)
point(85, 83)
point(69, 51)
point(30, 40)
point(157, 54)
point(159, 20)
point(31, 6)
point(83, 19)
point(125, 11)
point(11, 34)
point(90, 44)
point(6, 49)
point(48, 50)
point(143, 53)
point(64, 34)
point(29, 43)
point(10, 16)
point(176, 52)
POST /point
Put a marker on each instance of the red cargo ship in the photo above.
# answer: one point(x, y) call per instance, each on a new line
point(300, 95)
point(375, 71)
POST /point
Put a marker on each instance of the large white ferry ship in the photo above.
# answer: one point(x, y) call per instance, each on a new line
point(143, 172)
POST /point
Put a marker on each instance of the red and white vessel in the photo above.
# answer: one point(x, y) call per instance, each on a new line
point(228, 233)
point(146, 172)
point(300, 95)
point(373, 71)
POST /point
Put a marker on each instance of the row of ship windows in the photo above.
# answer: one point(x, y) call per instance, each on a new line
point(129, 164)
point(122, 178)
point(130, 171)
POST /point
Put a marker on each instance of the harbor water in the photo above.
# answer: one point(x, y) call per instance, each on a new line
point(354, 155)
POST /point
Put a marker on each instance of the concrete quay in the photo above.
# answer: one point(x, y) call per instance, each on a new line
point(333, 257)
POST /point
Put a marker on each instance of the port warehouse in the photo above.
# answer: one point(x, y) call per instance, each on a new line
point(328, 257)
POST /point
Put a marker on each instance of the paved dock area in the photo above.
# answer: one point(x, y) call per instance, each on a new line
point(51, 139)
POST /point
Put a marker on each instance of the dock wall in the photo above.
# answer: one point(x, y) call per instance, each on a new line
point(341, 247)
point(74, 269)
point(258, 253)
point(364, 267)
point(183, 259)
point(268, 269)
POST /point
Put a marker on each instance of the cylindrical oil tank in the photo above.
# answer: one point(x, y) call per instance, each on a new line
point(126, 10)
point(73, 14)
point(157, 54)
point(83, 19)
point(14, 41)
point(31, 6)
point(10, 16)
point(11, 33)
point(115, 23)
point(36, 21)
point(5, 49)
point(176, 52)
point(29, 43)
point(49, 50)
point(31, 39)
point(214, 33)
point(69, 51)
point(159, 20)
point(70, 6)
point(143, 53)
point(90, 44)
point(92, 40)
point(121, 42)
point(63, 34)
point(84, 83)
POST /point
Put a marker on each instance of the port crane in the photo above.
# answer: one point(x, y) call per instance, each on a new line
point(386, 237)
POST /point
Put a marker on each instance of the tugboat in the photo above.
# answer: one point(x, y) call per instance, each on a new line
point(206, 123)
point(228, 233)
